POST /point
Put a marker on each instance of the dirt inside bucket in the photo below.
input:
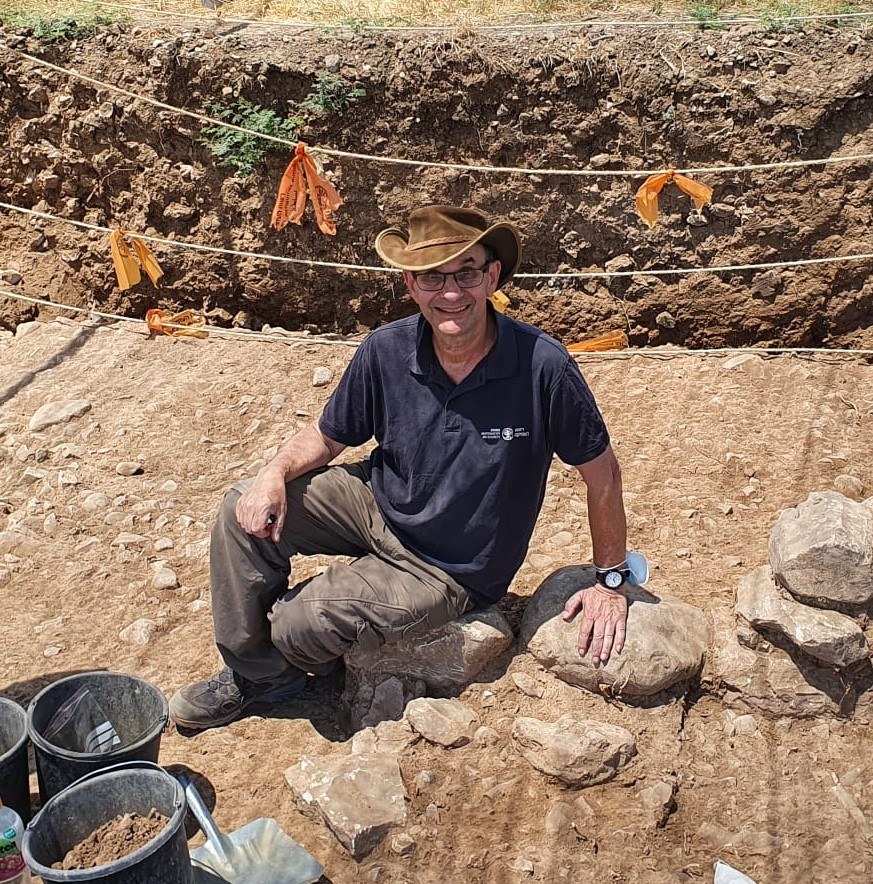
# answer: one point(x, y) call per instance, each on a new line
point(119, 837)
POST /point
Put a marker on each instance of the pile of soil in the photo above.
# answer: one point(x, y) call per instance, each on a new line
point(121, 836)
point(597, 98)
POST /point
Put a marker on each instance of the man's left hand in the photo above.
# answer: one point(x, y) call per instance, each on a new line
point(604, 621)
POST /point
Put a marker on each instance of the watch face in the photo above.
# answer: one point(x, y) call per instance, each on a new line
point(613, 579)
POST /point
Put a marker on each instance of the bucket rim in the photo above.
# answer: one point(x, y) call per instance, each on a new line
point(175, 822)
point(47, 746)
point(22, 740)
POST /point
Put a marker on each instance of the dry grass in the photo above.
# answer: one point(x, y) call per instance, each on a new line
point(459, 13)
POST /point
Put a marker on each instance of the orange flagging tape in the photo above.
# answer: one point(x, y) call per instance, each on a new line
point(194, 323)
point(126, 268)
point(647, 195)
point(291, 201)
point(614, 340)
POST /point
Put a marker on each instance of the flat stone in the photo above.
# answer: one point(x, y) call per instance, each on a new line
point(58, 412)
point(321, 376)
point(448, 723)
point(95, 500)
point(139, 632)
point(528, 685)
point(12, 542)
point(393, 737)
point(665, 645)
point(770, 683)
point(658, 801)
point(826, 635)
point(198, 550)
point(128, 540)
point(164, 543)
point(387, 702)
point(165, 578)
point(447, 658)
point(360, 797)
point(821, 551)
point(578, 752)
point(128, 468)
point(849, 486)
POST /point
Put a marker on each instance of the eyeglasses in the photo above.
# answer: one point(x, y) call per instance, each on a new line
point(466, 278)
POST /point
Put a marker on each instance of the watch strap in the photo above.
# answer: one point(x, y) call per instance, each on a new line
point(602, 575)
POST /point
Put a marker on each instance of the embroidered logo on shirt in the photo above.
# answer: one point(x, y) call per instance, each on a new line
point(507, 434)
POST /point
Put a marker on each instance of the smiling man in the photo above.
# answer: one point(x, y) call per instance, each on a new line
point(467, 408)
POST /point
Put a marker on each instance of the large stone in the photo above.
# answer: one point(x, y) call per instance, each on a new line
point(447, 723)
point(576, 751)
point(445, 659)
point(821, 551)
point(665, 645)
point(360, 797)
point(57, 413)
point(826, 635)
point(770, 683)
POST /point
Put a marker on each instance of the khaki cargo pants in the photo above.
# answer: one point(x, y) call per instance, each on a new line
point(262, 628)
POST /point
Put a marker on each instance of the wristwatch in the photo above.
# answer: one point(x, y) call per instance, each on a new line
point(612, 578)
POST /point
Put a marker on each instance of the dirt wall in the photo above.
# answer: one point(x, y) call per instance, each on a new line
point(602, 99)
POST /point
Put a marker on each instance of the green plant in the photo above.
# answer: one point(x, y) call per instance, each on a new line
point(76, 25)
point(846, 8)
point(777, 17)
point(240, 150)
point(705, 13)
point(330, 95)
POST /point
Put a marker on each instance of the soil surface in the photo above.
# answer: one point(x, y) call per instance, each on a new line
point(712, 449)
point(601, 98)
point(123, 835)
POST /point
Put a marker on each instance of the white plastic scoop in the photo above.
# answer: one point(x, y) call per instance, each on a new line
point(258, 853)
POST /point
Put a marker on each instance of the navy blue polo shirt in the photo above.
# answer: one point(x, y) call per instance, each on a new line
point(460, 470)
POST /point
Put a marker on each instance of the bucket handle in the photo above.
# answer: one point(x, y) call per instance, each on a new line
point(122, 765)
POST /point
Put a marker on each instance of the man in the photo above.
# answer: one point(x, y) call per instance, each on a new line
point(468, 407)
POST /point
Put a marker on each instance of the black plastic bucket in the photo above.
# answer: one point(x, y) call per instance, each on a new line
point(14, 777)
point(73, 814)
point(138, 711)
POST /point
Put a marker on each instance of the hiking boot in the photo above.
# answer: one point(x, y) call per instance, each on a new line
point(223, 698)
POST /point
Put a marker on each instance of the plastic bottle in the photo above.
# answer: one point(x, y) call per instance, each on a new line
point(12, 867)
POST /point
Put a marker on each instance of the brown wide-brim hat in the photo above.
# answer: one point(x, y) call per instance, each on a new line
point(439, 234)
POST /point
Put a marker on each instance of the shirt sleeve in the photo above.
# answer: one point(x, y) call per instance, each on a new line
point(349, 416)
point(576, 428)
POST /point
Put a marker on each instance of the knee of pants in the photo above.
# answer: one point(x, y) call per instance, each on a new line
point(303, 633)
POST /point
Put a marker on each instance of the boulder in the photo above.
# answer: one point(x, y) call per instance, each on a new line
point(380, 682)
point(821, 551)
point(770, 683)
point(448, 723)
point(360, 797)
point(665, 645)
point(445, 659)
point(826, 635)
point(578, 752)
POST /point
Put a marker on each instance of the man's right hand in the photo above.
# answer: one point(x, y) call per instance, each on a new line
point(261, 509)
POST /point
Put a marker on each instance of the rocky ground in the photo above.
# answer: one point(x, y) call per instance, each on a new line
point(597, 98)
point(105, 521)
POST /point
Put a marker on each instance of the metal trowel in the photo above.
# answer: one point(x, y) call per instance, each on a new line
point(258, 853)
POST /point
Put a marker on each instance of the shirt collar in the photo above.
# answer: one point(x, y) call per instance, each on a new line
point(501, 362)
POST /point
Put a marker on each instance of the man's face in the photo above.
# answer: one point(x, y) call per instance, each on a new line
point(454, 310)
